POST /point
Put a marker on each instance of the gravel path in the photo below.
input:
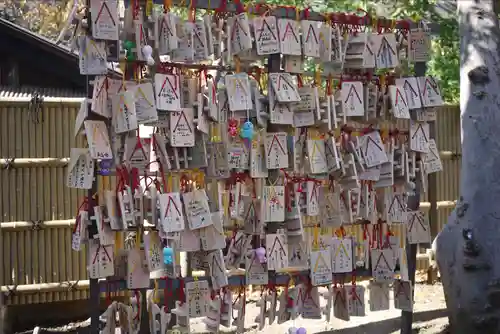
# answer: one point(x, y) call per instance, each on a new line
point(429, 318)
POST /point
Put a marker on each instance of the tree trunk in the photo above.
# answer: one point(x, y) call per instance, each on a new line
point(468, 248)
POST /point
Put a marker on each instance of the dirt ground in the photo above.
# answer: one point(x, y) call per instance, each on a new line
point(429, 318)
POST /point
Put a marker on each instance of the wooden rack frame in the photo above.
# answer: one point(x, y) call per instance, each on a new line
point(96, 286)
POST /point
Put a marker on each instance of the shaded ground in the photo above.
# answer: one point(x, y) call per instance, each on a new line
point(429, 318)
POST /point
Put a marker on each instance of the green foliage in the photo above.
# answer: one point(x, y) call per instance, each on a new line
point(47, 19)
point(445, 60)
point(42, 17)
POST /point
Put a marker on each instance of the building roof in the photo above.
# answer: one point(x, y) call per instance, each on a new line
point(39, 40)
point(58, 50)
point(26, 93)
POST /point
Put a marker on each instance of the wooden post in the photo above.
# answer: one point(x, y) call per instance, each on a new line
point(433, 211)
point(2, 307)
point(411, 250)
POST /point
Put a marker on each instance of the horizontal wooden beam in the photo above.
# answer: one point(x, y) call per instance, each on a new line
point(66, 223)
point(290, 13)
point(7, 163)
point(236, 279)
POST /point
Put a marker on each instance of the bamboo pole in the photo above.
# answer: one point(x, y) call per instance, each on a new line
point(7, 163)
point(26, 225)
point(45, 287)
point(64, 223)
point(449, 155)
point(440, 205)
point(46, 99)
point(62, 162)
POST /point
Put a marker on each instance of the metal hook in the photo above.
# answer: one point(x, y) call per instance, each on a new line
point(35, 108)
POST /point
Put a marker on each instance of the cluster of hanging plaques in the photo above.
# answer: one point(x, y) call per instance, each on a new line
point(251, 170)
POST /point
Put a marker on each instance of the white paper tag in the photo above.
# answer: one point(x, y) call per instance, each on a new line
point(403, 295)
point(382, 265)
point(166, 33)
point(238, 92)
point(217, 267)
point(197, 209)
point(80, 169)
point(100, 260)
point(284, 87)
point(419, 136)
point(277, 251)
point(154, 250)
point(342, 255)
point(280, 113)
point(417, 228)
point(145, 105)
point(396, 208)
point(429, 91)
point(400, 106)
point(92, 56)
point(316, 152)
point(197, 298)
point(313, 197)
point(212, 237)
point(273, 200)
point(200, 42)
point(276, 150)
point(105, 16)
point(182, 128)
point(289, 37)
point(352, 98)
point(239, 34)
point(310, 41)
point(340, 303)
point(410, 88)
point(432, 160)
point(356, 300)
point(106, 235)
point(137, 272)
point(258, 168)
point(419, 43)
point(167, 87)
point(385, 50)
point(266, 35)
point(378, 296)
point(171, 215)
point(98, 140)
point(256, 272)
point(321, 267)
point(124, 114)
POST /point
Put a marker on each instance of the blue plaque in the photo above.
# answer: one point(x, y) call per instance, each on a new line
point(105, 167)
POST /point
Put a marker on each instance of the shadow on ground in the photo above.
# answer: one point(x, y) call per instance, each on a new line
point(391, 325)
point(380, 327)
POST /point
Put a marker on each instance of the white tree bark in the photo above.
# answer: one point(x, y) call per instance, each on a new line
point(468, 248)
